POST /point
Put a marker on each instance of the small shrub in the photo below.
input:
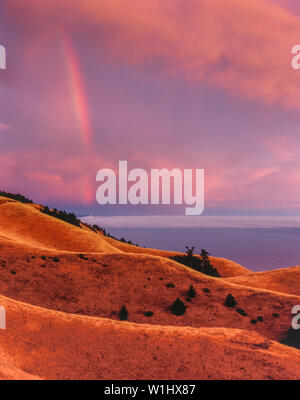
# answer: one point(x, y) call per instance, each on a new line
point(170, 285)
point(191, 292)
point(82, 257)
point(253, 321)
point(148, 313)
point(123, 313)
point(206, 290)
point(260, 319)
point(275, 315)
point(56, 259)
point(13, 272)
point(292, 338)
point(230, 301)
point(178, 307)
point(242, 312)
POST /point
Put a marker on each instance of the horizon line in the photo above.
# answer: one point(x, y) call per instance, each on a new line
point(182, 221)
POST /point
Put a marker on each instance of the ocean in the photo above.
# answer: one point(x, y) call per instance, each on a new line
point(256, 249)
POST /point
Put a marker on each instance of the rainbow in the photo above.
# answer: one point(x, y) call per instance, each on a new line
point(78, 92)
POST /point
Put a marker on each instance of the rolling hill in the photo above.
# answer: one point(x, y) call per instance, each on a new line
point(62, 284)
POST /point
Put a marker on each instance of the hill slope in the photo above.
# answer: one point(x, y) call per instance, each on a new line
point(54, 345)
point(63, 287)
point(98, 284)
point(226, 268)
point(26, 225)
point(285, 280)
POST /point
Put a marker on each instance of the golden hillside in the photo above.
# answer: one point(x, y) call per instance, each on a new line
point(63, 288)
point(54, 345)
point(285, 280)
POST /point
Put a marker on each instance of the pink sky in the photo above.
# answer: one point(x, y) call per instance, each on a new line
point(177, 84)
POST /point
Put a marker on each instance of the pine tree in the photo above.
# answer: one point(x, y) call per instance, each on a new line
point(191, 292)
point(230, 301)
point(178, 307)
point(123, 313)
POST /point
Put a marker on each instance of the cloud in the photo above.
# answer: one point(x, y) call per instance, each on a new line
point(159, 78)
point(158, 221)
point(4, 127)
point(291, 5)
point(241, 47)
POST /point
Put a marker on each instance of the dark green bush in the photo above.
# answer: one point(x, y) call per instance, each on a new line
point(17, 197)
point(242, 312)
point(70, 218)
point(178, 307)
point(123, 313)
point(170, 285)
point(200, 264)
point(230, 301)
point(148, 313)
point(191, 293)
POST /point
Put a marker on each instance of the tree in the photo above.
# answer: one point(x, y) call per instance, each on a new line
point(178, 307)
point(189, 255)
point(200, 264)
point(191, 292)
point(190, 251)
point(207, 268)
point(123, 313)
point(230, 301)
point(204, 254)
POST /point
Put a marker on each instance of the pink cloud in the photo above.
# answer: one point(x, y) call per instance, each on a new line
point(242, 47)
point(239, 47)
point(284, 148)
point(4, 127)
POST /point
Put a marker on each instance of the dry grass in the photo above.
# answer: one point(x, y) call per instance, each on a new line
point(63, 286)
